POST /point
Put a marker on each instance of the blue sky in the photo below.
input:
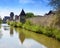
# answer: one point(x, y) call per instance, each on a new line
point(38, 7)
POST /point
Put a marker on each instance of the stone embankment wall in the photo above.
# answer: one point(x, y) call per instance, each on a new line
point(45, 20)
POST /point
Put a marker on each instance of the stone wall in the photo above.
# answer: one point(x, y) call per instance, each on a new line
point(46, 20)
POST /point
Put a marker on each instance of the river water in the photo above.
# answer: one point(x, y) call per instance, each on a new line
point(11, 37)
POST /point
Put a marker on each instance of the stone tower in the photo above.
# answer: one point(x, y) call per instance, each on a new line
point(11, 15)
point(22, 16)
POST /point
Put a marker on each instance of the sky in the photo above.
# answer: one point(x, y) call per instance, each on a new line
point(38, 7)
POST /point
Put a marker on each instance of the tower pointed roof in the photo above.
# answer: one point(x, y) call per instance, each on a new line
point(22, 37)
point(22, 13)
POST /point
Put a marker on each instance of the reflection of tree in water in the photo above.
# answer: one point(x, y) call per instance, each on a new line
point(11, 31)
point(15, 29)
point(21, 37)
point(0, 26)
point(0, 32)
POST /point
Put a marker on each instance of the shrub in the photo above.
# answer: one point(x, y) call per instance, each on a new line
point(8, 22)
point(57, 34)
point(27, 25)
point(49, 32)
point(35, 28)
point(12, 23)
point(18, 24)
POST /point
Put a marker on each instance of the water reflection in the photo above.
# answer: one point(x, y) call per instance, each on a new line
point(11, 31)
point(21, 38)
point(42, 39)
point(21, 35)
point(6, 28)
point(27, 40)
point(0, 35)
point(0, 26)
point(0, 32)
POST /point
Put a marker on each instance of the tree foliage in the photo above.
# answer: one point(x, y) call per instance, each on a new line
point(55, 4)
point(28, 15)
point(0, 20)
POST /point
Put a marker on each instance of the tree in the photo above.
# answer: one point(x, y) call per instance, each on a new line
point(56, 5)
point(29, 15)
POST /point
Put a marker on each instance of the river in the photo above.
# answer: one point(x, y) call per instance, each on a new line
point(11, 37)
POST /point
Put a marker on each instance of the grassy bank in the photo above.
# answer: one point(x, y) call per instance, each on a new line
point(48, 31)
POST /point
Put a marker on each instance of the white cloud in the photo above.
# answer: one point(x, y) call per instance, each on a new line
point(26, 1)
point(3, 13)
point(6, 11)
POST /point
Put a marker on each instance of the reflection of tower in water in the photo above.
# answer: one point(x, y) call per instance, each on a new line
point(11, 31)
point(21, 37)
